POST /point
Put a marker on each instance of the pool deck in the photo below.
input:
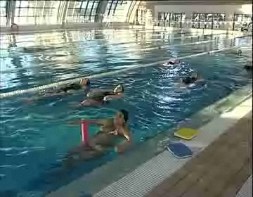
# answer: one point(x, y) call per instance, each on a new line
point(219, 170)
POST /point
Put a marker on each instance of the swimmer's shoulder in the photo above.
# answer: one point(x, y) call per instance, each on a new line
point(127, 133)
point(106, 122)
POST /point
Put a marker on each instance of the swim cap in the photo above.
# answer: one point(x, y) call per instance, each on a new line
point(117, 87)
point(125, 114)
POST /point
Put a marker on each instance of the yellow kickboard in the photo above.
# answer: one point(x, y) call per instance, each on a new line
point(186, 133)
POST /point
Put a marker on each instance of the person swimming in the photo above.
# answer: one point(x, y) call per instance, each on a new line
point(113, 133)
point(190, 79)
point(99, 97)
point(172, 62)
point(61, 91)
point(83, 84)
point(239, 52)
point(248, 68)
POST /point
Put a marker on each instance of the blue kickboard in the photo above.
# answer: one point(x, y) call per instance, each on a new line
point(179, 150)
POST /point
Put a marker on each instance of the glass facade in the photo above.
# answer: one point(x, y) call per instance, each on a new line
point(208, 20)
point(116, 10)
point(82, 11)
point(44, 12)
point(38, 12)
point(241, 19)
point(3, 16)
point(171, 19)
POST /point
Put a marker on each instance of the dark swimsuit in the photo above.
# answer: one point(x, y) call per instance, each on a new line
point(99, 96)
point(73, 86)
point(248, 68)
point(189, 80)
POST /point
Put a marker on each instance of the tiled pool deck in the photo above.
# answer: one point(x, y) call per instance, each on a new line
point(219, 170)
point(246, 190)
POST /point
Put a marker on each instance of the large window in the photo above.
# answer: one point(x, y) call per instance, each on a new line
point(171, 19)
point(3, 16)
point(82, 11)
point(208, 20)
point(36, 12)
point(116, 11)
point(240, 20)
point(141, 16)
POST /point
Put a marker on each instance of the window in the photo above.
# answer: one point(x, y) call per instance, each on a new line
point(241, 20)
point(82, 11)
point(208, 20)
point(3, 14)
point(171, 19)
point(36, 12)
point(116, 10)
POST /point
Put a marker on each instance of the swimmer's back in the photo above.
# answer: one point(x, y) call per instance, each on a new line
point(98, 95)
point(189, 80)
point(72, 86)
point(248, 68)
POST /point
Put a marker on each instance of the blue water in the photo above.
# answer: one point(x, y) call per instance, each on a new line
point(47, 64)
point(35, 137)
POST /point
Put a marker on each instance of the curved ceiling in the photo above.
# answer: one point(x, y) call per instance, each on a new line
point(206, 2)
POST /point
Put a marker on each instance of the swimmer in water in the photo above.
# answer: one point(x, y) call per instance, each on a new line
point(113, 133)
point(84, 84)
point(172, 62)
point(248, 68)
point(239, 52)
point(190, 79)
point(99, 97)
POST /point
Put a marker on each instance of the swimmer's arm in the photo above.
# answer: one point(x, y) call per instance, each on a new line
point(97, 122)
point(181, 83)
point(111, 97)
point(126, 144)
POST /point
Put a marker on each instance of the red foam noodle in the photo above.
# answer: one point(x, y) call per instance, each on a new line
point(85, 132)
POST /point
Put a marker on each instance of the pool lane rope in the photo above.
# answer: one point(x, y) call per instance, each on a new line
point(57, 84)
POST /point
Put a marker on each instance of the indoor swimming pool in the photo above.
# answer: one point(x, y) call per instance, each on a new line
point(34, 137)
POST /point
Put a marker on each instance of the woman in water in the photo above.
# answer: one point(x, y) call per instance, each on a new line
point(84, 84)
point(113, 133)
point(191, 80)
point(99, 97)
point(172, 62)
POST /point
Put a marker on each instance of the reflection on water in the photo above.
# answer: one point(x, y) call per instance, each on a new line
point(46, 58)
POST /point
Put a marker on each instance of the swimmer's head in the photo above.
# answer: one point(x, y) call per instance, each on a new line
point(85, 82)
point(118, 89)
point(194, 75)
point(174, 61)
point(121, 117)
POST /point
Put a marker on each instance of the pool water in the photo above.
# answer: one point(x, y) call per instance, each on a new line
point(46, 64)
point(35, 137)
